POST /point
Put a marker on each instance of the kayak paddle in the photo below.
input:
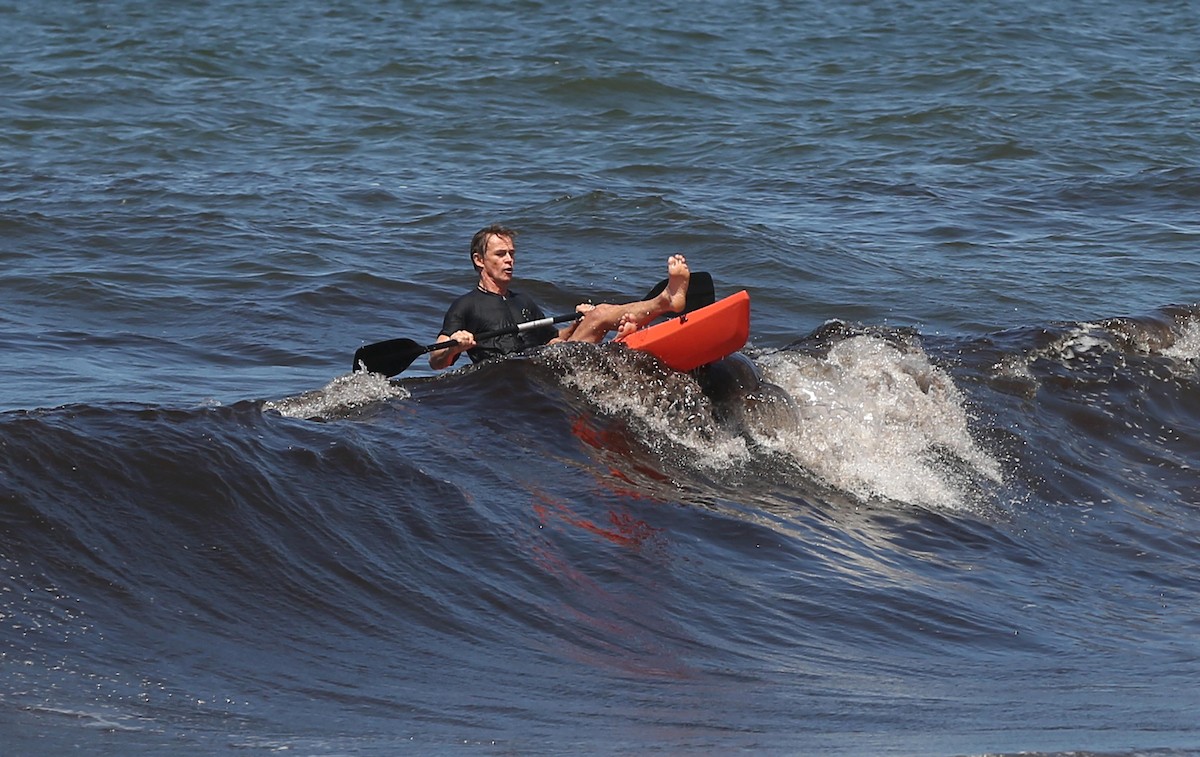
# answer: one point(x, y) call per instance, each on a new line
point(395, 355)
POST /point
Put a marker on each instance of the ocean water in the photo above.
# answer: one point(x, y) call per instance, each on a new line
point(952, 511)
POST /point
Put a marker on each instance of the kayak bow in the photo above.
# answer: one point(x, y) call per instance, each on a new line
point(697, 338)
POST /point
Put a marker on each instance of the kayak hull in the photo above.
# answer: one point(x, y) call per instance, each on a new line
point(697, 338)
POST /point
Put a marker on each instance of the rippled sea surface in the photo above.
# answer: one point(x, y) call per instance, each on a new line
point(951, 509)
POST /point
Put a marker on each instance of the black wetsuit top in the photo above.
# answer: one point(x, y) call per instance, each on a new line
point(478, 311)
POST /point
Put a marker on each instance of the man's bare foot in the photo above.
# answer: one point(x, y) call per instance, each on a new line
point(627, 325)
point(674, 297)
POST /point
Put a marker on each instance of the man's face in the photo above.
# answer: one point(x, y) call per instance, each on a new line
point(497, 260)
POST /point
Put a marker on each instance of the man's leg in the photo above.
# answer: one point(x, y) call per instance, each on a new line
point(605, 318)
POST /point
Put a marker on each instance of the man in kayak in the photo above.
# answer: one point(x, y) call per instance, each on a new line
point(492, 304)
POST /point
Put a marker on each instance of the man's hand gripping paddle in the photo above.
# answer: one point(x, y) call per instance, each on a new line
point(395, 355)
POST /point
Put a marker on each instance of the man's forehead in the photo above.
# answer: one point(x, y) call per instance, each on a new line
point(499, 241)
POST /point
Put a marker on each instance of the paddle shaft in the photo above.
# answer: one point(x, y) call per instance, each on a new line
point(395, 355)
point(517, 329)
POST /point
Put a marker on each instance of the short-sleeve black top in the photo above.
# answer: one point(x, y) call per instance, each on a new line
point(478, 311)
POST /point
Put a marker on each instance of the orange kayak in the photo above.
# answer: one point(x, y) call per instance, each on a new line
point(697, 338)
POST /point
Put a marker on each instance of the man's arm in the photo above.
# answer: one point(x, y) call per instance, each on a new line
point(444, 358)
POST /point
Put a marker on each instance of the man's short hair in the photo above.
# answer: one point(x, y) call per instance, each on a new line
point(479, 241)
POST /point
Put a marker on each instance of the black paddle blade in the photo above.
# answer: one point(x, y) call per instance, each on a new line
point(700, 291)
point(389, 358)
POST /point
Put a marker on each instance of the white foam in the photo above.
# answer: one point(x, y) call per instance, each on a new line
point(879, 422)
point(669, 407)
point(1187, 344)
point(343, 396)
point(874, 421)
point(1090, 339)
point(1081, 340)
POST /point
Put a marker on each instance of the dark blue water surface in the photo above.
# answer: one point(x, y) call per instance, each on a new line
point(955, 511)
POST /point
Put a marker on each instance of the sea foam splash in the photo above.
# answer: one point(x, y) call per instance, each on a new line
point(1187, 345)
point(669, 408)
point(345, 396)
point(881, 422)
point(868, 418)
